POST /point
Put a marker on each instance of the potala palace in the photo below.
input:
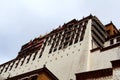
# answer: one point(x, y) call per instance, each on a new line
point(82, 49)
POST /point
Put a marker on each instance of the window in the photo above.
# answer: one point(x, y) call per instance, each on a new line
point(70, 42)
point(77, 37)
point(40, 54)
point(23, 61)
point(29, 58)
point(12, 65)
point(67, 38)
point(34, 55)
point(118, 39)
point(6, 68)
point(55, 49)
point(50, 40)
point(17, 63)
point(2, 69)
point(65, 44)
point(60, 47)
point(111, 42)
point(50, 51)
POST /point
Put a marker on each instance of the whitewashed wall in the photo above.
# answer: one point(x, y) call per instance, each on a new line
point(63, 63)
point(116, 73)
point(101, 60)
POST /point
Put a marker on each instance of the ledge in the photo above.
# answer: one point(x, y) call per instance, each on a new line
point(94, 74)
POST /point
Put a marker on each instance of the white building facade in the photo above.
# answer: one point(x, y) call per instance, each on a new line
point(79, 50)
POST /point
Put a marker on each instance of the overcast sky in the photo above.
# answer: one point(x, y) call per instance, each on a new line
point(23, 20)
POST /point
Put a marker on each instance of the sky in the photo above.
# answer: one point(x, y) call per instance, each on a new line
point(24, 20)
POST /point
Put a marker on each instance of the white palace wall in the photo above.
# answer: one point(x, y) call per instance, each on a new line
point(63, 63)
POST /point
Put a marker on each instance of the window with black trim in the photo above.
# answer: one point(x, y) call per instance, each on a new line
point(34, 55)
point(23, 61)
point(118, 39)
point(111, 41)
point(12, 65)
point(29, 58)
